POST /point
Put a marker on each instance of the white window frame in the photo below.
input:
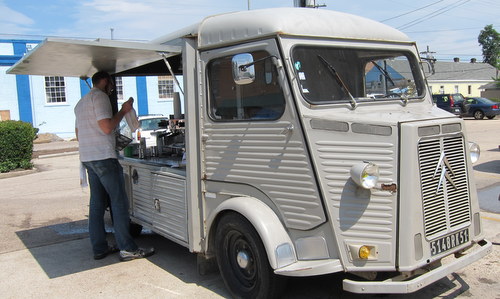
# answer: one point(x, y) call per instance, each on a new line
point(165, 87)
point(55, 90)
point(119, 89)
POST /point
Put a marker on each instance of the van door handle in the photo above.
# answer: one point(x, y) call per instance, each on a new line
point(135, 176)
point(287, 130)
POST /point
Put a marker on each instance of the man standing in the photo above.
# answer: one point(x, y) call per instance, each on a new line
point(95, 127)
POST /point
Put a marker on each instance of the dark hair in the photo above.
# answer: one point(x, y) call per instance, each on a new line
point(99, 76)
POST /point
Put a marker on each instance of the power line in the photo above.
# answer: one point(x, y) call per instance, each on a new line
point(448, 30)
point(406, 13)
point(434, 14)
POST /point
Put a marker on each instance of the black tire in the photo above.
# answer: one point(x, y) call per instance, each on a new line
point(135, 229)
point(478, 114)
point(250, 276)
point(491, 116)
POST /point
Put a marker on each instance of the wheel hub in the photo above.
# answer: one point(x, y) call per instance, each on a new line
point(243, 259)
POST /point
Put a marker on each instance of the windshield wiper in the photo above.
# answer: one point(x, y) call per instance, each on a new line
point(339, 81)
point(384, 72)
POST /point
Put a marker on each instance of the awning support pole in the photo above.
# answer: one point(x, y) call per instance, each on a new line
point(171, 72)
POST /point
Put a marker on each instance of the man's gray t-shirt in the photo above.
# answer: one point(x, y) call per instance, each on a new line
point(93, 143)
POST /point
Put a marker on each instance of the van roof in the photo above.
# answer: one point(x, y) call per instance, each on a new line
point(228, 28)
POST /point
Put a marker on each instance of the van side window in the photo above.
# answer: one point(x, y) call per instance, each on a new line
point(262, 99)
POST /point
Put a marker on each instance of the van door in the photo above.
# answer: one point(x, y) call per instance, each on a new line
point(252, 140)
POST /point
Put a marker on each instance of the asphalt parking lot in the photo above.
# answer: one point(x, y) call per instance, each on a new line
point(45, 251)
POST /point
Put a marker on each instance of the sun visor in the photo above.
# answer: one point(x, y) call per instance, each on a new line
point(79, 58)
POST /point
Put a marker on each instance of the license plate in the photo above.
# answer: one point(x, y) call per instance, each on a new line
point(449, 242)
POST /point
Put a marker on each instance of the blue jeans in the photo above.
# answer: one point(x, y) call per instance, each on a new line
point(106, 178)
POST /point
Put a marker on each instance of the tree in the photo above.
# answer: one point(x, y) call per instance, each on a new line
point(489, 39)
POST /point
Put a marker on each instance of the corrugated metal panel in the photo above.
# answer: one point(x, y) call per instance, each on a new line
point(141, 190)
point(171, 208)
point(258, 154)
point(359, 213)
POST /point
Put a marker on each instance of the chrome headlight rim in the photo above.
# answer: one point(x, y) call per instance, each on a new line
point(365, 175)
point(474, 152)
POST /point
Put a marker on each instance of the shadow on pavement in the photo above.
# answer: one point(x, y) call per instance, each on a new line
point(491, 167)
point(64, 249)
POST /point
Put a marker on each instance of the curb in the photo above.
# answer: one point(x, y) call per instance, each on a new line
point(16, 173)
point(58, 154)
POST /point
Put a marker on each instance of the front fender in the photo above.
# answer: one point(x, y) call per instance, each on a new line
point(277, 242)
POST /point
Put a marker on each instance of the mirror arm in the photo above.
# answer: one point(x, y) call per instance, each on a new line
point(430, 62)
point(244, 67)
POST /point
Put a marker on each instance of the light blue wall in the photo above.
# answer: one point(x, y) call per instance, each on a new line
point(55, 118)
point(8, 93)
point(157, 105)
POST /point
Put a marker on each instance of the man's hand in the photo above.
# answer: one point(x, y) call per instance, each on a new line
point(108, 125)
point(127, 106)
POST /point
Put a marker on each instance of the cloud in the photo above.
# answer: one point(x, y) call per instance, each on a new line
point(12, 21)
point(136, 20)
point(118, 7)
point(147, 19)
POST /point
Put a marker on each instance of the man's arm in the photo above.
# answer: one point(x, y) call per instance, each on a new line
point(107, 125)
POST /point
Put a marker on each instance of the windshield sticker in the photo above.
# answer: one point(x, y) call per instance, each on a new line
point(302, 76)
point(297, 65)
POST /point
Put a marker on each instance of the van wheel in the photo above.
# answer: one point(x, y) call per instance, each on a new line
point(242, 260)
point(478, 114)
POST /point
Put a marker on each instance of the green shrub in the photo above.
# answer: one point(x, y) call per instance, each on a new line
point(16, 145)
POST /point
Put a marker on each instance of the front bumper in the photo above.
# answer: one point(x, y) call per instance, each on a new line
point(398, 286)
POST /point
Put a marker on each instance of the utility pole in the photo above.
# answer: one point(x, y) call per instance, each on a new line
point(428, 54)
point(430, 58)
point(112, 29)
point(307, 3)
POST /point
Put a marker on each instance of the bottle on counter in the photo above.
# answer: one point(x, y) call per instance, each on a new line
point(142, 148)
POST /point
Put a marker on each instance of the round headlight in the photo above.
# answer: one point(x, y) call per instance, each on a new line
point(365, 175)
point(474, 152)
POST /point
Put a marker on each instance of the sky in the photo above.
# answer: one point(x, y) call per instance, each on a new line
point(448, 27)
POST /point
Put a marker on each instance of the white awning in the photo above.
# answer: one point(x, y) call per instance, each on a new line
point(79, 58)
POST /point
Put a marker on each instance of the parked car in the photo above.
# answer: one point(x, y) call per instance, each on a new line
point(147, 125)
point(479, 107)
point(449, 102)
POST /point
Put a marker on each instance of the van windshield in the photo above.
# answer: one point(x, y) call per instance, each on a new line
point(327, 74)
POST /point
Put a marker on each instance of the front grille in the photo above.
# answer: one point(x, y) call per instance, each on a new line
point(445, 190)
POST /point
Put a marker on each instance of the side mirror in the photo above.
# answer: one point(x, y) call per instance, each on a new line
point(243, 69)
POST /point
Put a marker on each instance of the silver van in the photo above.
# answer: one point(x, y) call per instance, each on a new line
point(292, 168)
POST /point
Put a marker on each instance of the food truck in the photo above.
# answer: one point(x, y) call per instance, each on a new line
point(308, 144)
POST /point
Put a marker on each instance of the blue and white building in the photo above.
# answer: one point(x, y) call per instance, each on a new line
point(48, 102)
